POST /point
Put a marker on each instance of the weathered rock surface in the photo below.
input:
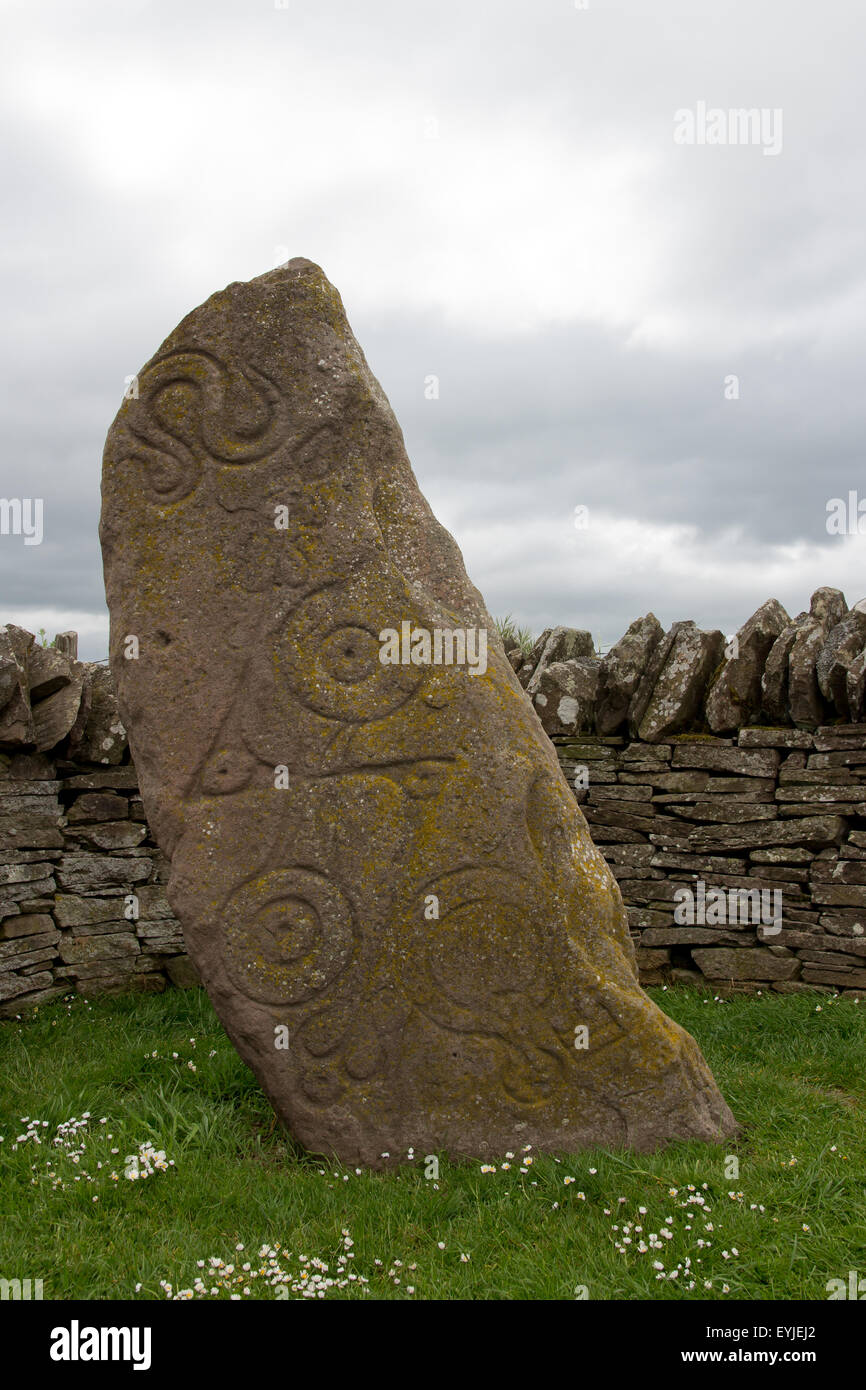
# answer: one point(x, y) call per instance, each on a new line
point(16, 720)
point(845, 643)
point(563, 644)
point(774, 681)
point(417, 903)
point(678, 693)
point(735, 695)
point(564, 695)
point(102, 739)
point(621, 671)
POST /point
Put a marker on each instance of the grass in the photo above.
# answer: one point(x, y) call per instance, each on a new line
point(513, 636)
point(793, 1070)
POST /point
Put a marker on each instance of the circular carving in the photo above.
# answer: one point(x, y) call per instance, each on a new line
point(288, 936)
point(484, 951)
point(330, 653)
point(350, 654)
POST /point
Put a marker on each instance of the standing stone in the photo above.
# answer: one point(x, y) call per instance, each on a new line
point(379, 864)
point(621, 670)
point(735, 695)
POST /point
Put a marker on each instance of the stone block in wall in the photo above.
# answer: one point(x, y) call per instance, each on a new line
point(589, 749)
point(820, 776)
point(629, 854)
point(103, 739)
point(734, 698)
point(55, 716)
point(844, 642)
point(26, 924)
point(839, 894)
point(563, 645)
point(17, 987)
point(101, 873)
point(120, 778)
point(855, 686)
point(74, 950)
point(696, 936)
point(836, 975)
point(677, 695)
point(97, 806)
point(616, 835)
point(758, 736)
point(107, 835)
point(621, 671)
point(612, 814)
point(17, 832)
point(758, 963)
point(719, 757)
point(12, 894)
point(702, 864)
point(164, 937)
point(647, 752)
point(17, 874)
point(724, 812)
point(70, 910)
point(843, 921)
point(846, 738)
point(646, 959)
point(814, 831)
point(563, 695)
point(806, 705)
point(666, 783)
point(16, 719)
point(619, 792)
point(839, 871)
point(640, 917)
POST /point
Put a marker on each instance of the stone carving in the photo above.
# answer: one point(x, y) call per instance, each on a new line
point(382, 876)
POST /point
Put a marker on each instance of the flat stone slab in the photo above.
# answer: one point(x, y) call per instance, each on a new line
point(383, 878)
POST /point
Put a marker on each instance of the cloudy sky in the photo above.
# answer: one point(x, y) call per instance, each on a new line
point(496, 189)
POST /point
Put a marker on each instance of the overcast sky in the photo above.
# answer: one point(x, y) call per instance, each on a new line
point(495, 189)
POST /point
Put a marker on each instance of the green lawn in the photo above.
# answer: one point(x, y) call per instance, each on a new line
point(160, 1071)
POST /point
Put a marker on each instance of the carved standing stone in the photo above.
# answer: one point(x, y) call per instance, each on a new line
point(379, 865)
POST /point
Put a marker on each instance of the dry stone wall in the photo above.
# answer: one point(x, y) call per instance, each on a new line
point(742, 862)
point(82, 904)
point(774, 808)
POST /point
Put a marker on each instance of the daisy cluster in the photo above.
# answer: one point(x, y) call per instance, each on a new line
point(66, 1158)
point(280, 1274)
point(691, 1219)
